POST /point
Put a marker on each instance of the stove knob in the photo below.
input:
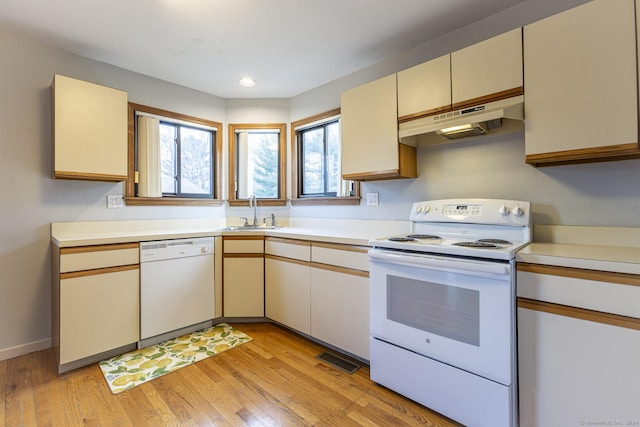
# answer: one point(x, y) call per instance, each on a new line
point(517, 211)
point(503, 210)
point(426, 209)
point(418, 209)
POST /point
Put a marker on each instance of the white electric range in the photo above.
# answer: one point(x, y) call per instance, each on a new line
point(442, 308)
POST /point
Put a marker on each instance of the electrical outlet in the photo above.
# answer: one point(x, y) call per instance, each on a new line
point(115, 201)
point(372, 199)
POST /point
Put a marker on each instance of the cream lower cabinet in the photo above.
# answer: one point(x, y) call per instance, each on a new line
point(340, 297)
point(243, 276)
point(577, 365)
point(287, 283)
point(582, 86)
point(95, 302)
point(320, 289)
point(340, 309)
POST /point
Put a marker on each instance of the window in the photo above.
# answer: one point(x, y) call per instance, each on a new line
point(176, 158)
point(316, 162)
point(256, 154)
point(186, 160)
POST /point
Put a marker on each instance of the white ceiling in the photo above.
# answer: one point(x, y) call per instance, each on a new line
point(287, 46)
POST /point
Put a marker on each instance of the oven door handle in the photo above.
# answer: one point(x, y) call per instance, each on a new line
point(422, 261)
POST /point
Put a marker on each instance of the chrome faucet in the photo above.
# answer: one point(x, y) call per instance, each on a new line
point(254, 204)
point(273, 220)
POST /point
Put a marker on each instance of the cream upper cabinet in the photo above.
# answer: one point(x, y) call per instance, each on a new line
point(89, 131)
point(582, 87)
point(425, 89)
point(369, 129)
point(487, 71)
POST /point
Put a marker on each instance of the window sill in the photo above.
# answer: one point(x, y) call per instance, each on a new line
point(171, 201)
point(326, 201)
point(261, 202)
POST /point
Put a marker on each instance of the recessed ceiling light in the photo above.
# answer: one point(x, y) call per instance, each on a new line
point(247, 82)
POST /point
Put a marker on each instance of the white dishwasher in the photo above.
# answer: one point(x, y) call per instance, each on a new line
point(176, 288)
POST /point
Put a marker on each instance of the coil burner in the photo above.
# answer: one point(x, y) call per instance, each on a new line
point(424, 237)
point(477, 244)
point(401, 239)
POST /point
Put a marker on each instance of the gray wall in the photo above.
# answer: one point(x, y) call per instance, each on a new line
point(31, 200)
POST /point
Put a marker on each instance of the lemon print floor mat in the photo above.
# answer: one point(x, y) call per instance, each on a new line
point(136, 367)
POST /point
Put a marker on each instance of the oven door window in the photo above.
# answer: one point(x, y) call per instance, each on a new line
point(448, 311)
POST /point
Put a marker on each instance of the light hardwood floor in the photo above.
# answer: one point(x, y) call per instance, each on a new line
point(275, 380)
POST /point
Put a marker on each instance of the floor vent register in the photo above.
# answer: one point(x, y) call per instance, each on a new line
point(338, 362)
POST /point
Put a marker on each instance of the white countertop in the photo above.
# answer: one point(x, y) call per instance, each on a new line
point(615, 249)
point(345, 231)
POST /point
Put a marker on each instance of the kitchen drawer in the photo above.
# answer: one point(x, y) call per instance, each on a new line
point(354, 257)
point(243, 245)
point(608, 292)
point(99, 256)
point(287, 248)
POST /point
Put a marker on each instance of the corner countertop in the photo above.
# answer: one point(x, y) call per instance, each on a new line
point(343, 231)
point(614, 249)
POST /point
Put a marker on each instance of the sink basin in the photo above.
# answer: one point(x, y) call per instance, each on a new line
point(250, 227)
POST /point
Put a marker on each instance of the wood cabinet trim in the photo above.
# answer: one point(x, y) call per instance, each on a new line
point(373, 175)
point(497, 96)
point(245, 237)
point(578, 273)
point(585, 155)
point(289, 260)
point(88, 176)
point(492, 97)
point(287, 241)
point(425, 113)
point(243, 255)
point(340, 247)
point(97, 248)
point(580, 313)
point(337, 269)
point(96, 271)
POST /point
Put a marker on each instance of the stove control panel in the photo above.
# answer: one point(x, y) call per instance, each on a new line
point(466, 210)
point(474, 211)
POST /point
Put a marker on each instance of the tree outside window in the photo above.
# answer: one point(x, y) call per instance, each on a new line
point(186, 156)
point(256, 163)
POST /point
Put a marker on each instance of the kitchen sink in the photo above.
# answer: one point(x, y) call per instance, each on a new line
point(250, 227)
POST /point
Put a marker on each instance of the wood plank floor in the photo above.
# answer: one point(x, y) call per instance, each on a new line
point(275, 380)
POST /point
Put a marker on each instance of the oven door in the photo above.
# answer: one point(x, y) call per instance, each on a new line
point(457, 311)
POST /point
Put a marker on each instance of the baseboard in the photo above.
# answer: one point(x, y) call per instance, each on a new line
point(22, 349)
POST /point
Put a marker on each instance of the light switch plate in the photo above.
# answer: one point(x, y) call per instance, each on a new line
point(115, 201)
point(372, 199)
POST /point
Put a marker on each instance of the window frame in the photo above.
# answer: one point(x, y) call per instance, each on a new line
point(131, 199)
point(233, 159)
point(296, 173)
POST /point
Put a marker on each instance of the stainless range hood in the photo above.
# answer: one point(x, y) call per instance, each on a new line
point(467, 122)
